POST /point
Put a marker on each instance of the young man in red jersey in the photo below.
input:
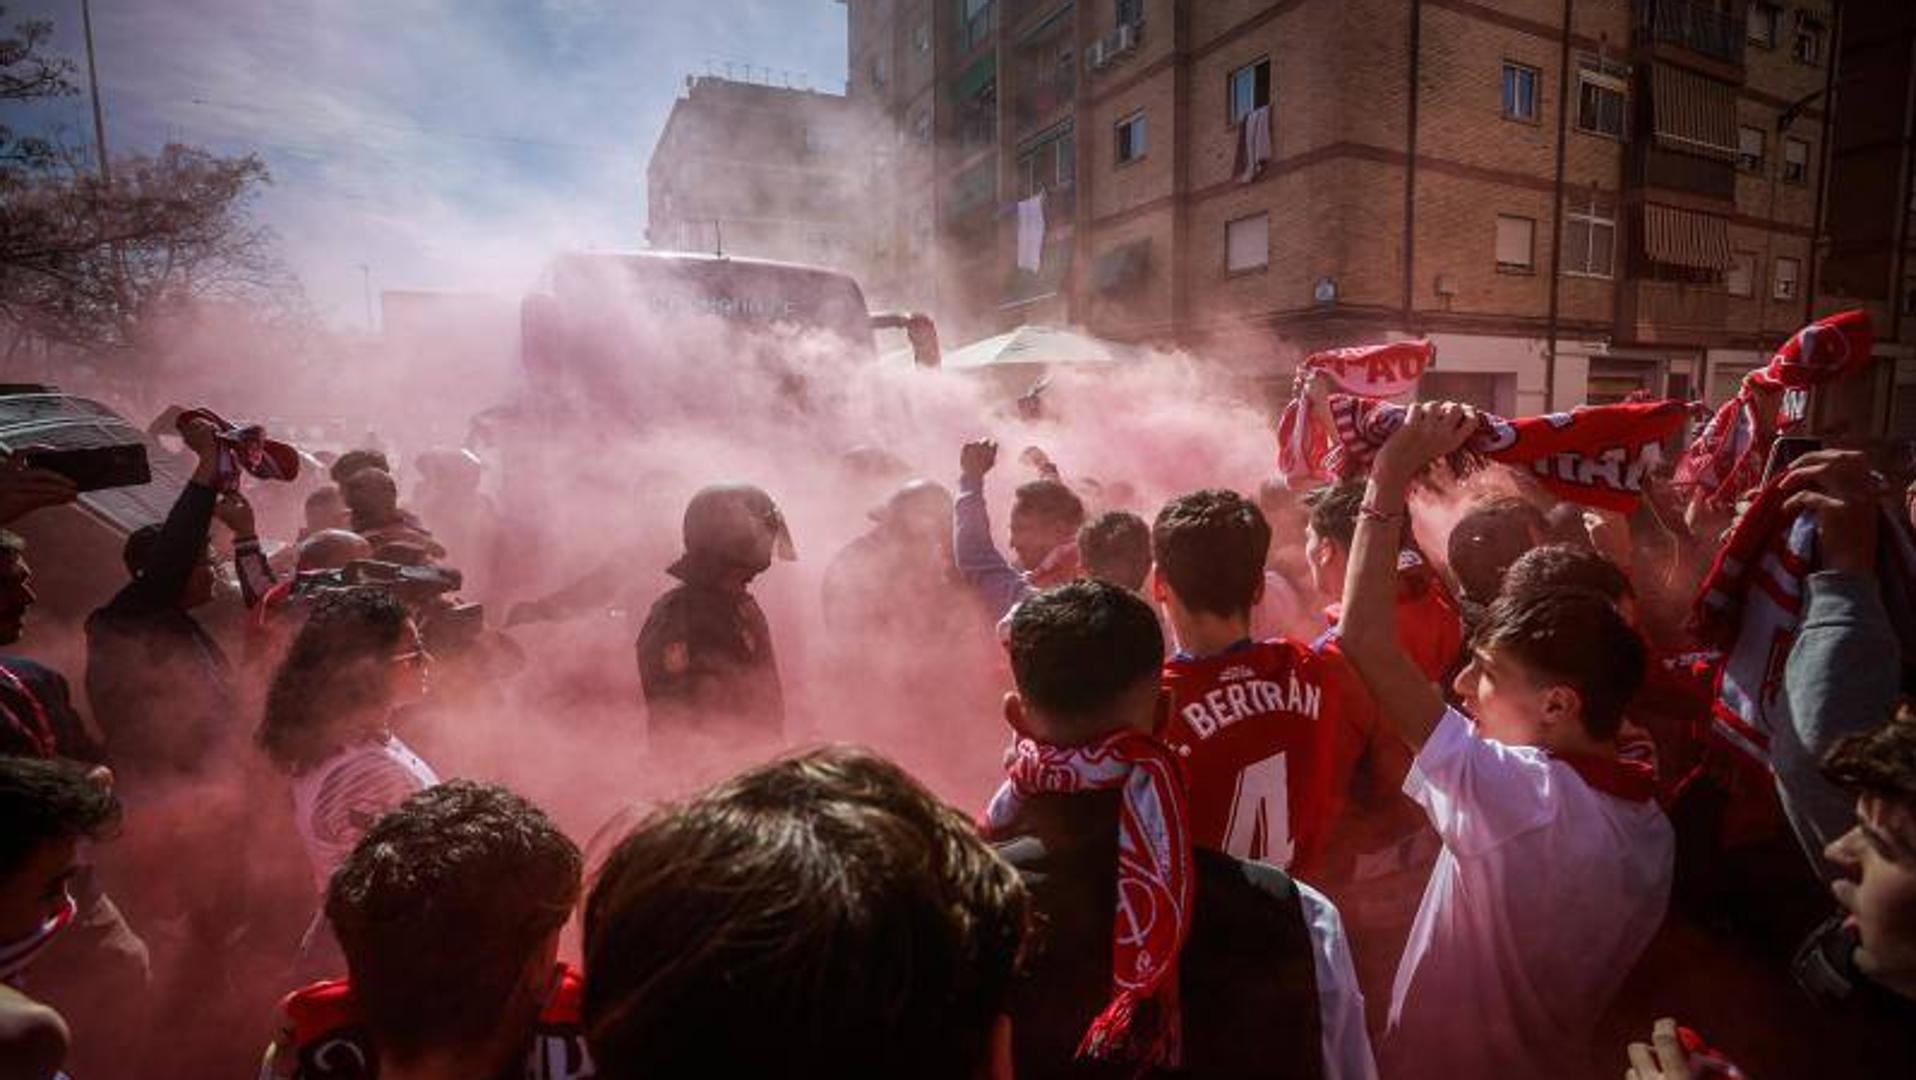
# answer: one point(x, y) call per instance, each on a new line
point(1430, 624)
point(1266, 741)
point(448, 911)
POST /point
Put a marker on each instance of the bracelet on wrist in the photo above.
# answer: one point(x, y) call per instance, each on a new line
point(1382, 517)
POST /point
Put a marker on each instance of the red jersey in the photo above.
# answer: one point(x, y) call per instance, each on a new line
point(323, 1038)
point(1430, 625)
point(1267, 748)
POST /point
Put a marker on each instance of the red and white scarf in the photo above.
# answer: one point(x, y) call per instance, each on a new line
point(17, 956)
point(1727, 458)
point(1597, 455)
point(1376, 372)
point(1156, 882)
point(1751, 604)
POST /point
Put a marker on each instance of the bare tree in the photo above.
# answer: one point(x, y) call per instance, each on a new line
point(28, 73)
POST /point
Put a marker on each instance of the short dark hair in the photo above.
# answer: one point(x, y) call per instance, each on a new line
point(1334, 511)
point(1571, 637)
point(440, 906)
point(47, 799)
point(1880, 762)
point(1078, 648)
point(1050, 499)
point(1210, 547)
point(1116, 547)
point(1491, 536)
point(1566, 566)
point(353, 461)
point(861, 925)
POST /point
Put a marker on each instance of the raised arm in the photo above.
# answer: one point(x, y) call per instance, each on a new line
point(182, 541)
point(977, 558)
point(1368, 633)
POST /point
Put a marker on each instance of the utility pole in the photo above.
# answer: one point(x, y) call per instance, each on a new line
point(93, 84)
point(366, 277)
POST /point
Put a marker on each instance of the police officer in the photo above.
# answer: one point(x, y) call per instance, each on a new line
point(705, 652)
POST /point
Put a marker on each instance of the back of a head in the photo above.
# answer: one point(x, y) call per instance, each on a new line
point(330, 549)
point(1571, 637)
point(1487, 540)
point(353, 461)
point(1334, 511)
point(441, 907)
point(323, 499)
point(139, 548)
point(1077, 651)
point(856, 927)
point(1051, 500)
point(370, 490)
point(1210, 548)
point(1566, 566)
point(1116, 547)
point(46, 800)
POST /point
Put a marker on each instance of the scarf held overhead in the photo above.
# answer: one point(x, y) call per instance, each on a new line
point(1156, 882)
point(1596, 455)
point(1367, 371)
point(1727, 458)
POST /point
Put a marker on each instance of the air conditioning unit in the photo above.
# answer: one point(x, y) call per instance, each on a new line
point(1095, 55)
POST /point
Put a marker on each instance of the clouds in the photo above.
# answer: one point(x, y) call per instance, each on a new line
point(445, 143)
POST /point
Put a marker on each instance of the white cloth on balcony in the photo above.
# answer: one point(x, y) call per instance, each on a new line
point(1031, 233)
point(1254, 149)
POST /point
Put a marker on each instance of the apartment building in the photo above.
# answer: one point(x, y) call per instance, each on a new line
point(1576, 199)
point(768, 171)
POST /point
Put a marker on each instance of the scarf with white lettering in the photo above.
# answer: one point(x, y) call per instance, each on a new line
point(16, 956)
point(1751, 604)
point(1727, 458)
point(1367, 371)
point(1596, 455)
point(1156, 882)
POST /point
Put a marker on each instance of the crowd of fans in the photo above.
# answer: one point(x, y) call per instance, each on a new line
point(1425, 771)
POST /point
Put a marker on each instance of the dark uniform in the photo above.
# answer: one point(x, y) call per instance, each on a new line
point(705, 653)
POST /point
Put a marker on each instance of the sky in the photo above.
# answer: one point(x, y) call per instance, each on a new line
point(439, 144)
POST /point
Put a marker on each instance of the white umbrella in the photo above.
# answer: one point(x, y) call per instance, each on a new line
point(1041, 345)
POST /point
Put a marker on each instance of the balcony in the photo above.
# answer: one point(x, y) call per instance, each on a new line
point(1654, 167)
point(1023, 286)
point(1045, 95)
point(1668, 307)
point(1702, 30)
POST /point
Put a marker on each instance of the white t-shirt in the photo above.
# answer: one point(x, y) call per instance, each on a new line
point(1545, 895)
point(336, 801)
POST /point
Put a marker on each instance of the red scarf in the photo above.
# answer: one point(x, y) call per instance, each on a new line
point(1369, 371)
point(1728, 456)
point(1627, 776)
point(34, 727)
point(1156, 882)
point(1597, 455)
point(16, 956)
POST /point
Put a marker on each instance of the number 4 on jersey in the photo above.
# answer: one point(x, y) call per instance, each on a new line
point(1261, 815)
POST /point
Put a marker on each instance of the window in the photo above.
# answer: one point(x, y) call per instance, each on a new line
point(921, 37)
point(1784, 286)
point(1796, 160)
point(1807, 46)
point(1520, 92)
point(1250, 88)
point(1130, 138)
point(1762, 25)
point(1740, 278)
point(1589, 240)
point(1749, 149)
point(975, 22)
point(1600, 101)
point(1247, 243)
point(1516, 239)
point(1066, 152)
point(1130, 12)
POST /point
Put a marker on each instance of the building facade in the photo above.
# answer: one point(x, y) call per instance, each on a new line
point(1577, 199)
point(767, 171)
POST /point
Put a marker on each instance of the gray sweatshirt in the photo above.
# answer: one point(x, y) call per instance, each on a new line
point(1841, 678)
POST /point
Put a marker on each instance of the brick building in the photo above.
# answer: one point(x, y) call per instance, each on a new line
point(766, 171)
point(1575, 198)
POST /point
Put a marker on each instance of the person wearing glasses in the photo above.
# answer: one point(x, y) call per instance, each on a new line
point(328, 726)
point(705, 652)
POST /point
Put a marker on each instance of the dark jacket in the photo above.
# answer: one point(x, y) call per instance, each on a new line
point(706, 660)
point(1247, 974)
point(37, 695)
point(159, 686)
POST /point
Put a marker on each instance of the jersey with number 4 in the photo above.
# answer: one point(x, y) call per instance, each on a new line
point(1261, 731)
